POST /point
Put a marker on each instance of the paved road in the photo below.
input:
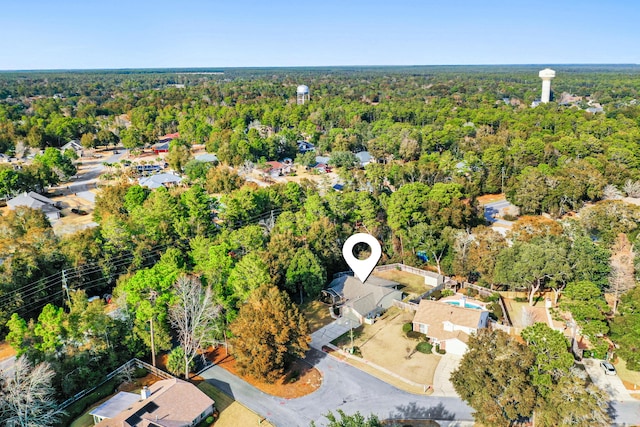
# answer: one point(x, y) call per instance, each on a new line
point(343, 387)
point(89, 177)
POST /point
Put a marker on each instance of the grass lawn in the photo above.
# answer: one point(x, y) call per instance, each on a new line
point(411, 284)
point(317, 314)
point(231, 412)
point(628, 377)
point(84, 421)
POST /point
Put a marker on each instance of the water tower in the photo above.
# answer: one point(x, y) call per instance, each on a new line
point(302, 94)
point(546, 75)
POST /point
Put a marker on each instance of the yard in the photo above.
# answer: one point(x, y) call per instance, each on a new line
point(317, 314)
point(385, 345)
point(231, 412)
point(412, 284)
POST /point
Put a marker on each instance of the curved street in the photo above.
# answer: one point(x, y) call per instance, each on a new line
point(343, 387)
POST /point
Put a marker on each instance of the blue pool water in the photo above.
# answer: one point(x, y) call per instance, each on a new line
point(466, 304)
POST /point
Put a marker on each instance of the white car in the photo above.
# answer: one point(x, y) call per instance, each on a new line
point(608, 368)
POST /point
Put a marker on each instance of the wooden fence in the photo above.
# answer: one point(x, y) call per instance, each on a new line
point(407, 306)
point(133, 363)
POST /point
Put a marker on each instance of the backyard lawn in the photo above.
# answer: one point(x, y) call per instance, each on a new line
point(629, 378)
point(412, 284)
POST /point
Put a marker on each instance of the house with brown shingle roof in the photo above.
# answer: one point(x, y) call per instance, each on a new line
point(166, 403)
point(449, 325)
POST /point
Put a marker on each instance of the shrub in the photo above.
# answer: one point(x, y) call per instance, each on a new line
point(414, 335)
point(140, 373)
point(210, 419)
point(424, 347)
point(407, 327)
point(447, 293)
point(495, 308)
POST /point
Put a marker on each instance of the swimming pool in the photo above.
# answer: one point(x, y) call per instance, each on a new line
point(466, 304)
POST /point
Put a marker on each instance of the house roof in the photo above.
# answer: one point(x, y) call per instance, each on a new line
point(275, 165)
point(435, 313)
point(74, 144)
point(161, 145)
point(32, 200)
point(172, 403)
point(364, 157)
point(157, 181)
point(363, 297)
point(169, 136)
point(114, 406)
point(323, 159)
point(208, 157)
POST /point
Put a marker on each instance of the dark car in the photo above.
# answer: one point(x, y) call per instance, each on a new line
point(608, 368)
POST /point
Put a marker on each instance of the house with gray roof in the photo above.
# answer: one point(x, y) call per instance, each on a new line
point(160, 180)
point(34, 200)
point(364, 300)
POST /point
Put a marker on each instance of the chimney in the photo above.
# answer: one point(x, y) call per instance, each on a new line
point(145, 393)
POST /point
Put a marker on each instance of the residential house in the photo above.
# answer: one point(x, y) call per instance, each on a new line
point(449, 324)
point(34, 200)
point(363, 300)
point(277, 168)
point(162, 146)
point(207, 158)
point(166, 403)
point(304, 146)
point(160, 180)
point(74, 145)
point(364, 158)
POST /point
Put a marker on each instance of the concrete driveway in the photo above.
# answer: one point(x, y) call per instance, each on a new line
point(611, 384)
point(442, 386)
point(491, 210)
point(333, 330)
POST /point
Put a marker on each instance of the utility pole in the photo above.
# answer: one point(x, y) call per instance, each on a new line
point(66, 287)
point(502, 180)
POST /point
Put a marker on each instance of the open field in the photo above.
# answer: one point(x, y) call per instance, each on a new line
point(412, 284)
point(631, 379)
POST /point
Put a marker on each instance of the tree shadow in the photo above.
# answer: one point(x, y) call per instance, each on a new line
point(413, 411)
point(222, 386)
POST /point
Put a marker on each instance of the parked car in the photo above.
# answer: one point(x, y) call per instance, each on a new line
point(608, 368)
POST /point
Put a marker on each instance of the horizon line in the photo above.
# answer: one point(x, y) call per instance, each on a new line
point(248, 67)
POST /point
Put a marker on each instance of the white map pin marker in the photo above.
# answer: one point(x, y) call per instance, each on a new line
point(362, 267)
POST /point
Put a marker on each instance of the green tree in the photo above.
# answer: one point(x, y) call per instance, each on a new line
point(355, 420)
point(625, 329)
point(248, 274)
point(305, 273)
point(552, 357)
point(269, 333)
point(493, 378)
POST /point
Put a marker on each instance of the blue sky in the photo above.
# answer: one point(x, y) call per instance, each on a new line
point(53, 34)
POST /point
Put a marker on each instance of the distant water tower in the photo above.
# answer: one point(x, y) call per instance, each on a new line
point(546, 75)
point(302, 94)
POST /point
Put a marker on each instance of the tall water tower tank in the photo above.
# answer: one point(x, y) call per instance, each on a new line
point(302, 94)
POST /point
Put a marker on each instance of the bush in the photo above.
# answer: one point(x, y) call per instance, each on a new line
point(447, 293)
point(424, 347)
point(210, 419)
point(407, 327)
point(140, 373)
point(436, 295)
point(414, 335)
